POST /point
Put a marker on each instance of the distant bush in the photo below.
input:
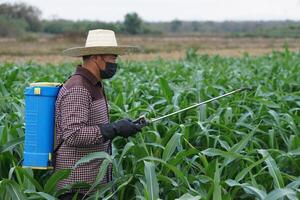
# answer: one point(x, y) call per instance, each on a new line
point(68, 27)
point(12, 27)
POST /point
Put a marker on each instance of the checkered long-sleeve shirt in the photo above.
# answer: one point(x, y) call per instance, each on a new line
point(80, 107)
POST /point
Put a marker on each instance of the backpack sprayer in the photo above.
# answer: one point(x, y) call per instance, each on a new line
point(40, 122)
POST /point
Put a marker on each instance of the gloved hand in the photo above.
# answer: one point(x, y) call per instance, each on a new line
point(124, 128)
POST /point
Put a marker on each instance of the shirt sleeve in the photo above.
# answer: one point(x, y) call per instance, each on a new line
point(75, 109)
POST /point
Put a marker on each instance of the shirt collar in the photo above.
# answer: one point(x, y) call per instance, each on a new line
point(88, 75)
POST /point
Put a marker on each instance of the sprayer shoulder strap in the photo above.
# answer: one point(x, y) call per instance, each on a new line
point(59, 145)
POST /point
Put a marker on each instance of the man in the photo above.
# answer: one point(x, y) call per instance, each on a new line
point(82, 121)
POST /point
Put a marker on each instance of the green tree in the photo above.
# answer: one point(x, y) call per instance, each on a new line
point(133, 23)
point(195, 26)
point(22, 11)
point(175, 25)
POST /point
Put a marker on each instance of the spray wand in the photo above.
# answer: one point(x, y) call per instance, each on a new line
point(142, 121)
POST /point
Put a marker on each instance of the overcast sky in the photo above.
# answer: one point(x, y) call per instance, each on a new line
point(167, 10)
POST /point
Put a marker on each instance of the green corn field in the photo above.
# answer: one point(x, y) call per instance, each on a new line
point(245, 146)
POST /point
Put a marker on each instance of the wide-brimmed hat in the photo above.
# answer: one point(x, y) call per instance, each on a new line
point(100, 41)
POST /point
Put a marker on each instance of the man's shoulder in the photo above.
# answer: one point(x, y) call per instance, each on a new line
point(76, 81)
point(75, 84)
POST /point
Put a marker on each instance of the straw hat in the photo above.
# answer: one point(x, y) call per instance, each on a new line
point(99, 41)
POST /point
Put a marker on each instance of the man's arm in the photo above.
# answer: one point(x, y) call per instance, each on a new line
point(75, 109)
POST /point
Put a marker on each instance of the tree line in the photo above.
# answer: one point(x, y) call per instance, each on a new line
point(19, 19)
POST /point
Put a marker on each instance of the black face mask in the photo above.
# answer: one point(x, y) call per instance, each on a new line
point(109, 71)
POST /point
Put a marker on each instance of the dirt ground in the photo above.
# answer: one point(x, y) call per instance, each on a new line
point(49, 50)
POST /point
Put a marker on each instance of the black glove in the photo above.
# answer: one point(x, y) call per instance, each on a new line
point(124, 128)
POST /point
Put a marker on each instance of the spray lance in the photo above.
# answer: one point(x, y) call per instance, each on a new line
point(142, 121)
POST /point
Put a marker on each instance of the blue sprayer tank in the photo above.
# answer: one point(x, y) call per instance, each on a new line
point(39, 124)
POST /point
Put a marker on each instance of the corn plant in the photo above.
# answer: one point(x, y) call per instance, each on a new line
point(245, 146)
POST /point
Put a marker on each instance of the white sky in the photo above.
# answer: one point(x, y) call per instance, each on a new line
point(167, 10)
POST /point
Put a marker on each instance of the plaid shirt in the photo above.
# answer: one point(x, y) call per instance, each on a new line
point(80, 107)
